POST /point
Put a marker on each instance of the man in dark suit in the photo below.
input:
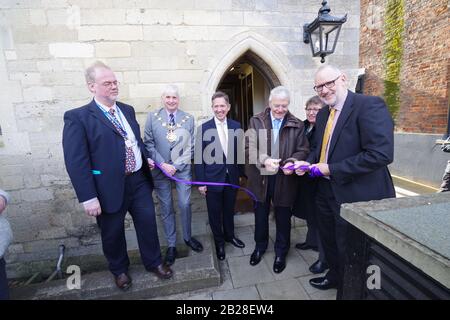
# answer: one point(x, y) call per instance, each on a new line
point(354, 144)
point(109, 169)
point(220, 165)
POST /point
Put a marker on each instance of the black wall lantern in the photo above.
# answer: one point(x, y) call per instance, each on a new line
point(323, 32)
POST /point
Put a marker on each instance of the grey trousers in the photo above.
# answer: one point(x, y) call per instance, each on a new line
point(163, 188)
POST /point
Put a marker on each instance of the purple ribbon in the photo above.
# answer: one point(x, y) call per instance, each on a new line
point(314, 172)
point(204, 183)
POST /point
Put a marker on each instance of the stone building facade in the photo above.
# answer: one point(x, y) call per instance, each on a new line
point(45, 45)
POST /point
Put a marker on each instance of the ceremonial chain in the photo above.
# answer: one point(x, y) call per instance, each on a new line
point(171, 136)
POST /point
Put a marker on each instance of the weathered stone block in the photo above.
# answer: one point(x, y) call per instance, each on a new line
point(112, 49)
point(71, 50)
point(37, 94)
point(114, 33)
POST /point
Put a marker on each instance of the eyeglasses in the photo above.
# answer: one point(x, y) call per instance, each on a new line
point(109, 84)
point(329, 85)
point(312, 110)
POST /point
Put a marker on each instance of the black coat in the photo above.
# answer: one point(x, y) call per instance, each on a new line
point(305, 200)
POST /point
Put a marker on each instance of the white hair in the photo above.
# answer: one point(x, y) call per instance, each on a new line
point(279, 92)
point(328, 67)
point(170, 89)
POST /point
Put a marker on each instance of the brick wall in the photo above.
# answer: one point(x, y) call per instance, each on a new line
point(424, 66)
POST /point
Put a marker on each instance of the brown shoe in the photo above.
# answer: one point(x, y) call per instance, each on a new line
point(123, 281)
point(162, 271)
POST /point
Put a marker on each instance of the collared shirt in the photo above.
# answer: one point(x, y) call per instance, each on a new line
point(338, 108)
point(130, 134)
point(174, 115)
point(272, 118)
point(219, 124)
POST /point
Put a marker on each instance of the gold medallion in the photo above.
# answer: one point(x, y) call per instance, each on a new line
point(171, 136)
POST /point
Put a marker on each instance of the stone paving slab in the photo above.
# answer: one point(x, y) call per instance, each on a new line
point(244, 275)
point(244, 293)
point(282, 290)
point(295, 266)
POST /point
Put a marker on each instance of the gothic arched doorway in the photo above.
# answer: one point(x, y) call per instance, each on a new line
point(248, 82)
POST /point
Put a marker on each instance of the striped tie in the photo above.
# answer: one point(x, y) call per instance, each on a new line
point(326, 135)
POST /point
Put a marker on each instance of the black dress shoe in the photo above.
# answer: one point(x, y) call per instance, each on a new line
point(318, 267)
point(255, 258)
point(162, 271)
point(171, 255)
point(220, 251)
point(279, 264)
point(194, 244)
point(305, 246)
point(236, 242)
point(123, 281)
point(322, 283)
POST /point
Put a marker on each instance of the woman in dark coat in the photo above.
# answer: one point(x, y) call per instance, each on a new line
point(304, 206)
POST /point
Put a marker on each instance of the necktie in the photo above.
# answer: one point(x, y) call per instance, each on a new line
point(130, 160)
point(223, 138)
point(171, 120)
point(326, 135)
point(276, 128)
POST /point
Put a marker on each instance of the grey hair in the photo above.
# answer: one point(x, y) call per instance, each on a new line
point(89, 74)
point(329, 67)
point(279, 92)
point(172, 89)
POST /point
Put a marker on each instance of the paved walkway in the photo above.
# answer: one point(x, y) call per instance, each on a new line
point(242, 281)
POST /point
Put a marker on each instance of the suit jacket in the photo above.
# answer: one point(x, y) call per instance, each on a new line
point(216, 172)
point(94, 153)
point(361, 147)
point(178, 153)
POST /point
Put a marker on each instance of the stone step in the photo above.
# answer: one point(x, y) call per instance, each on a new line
point(196, 271)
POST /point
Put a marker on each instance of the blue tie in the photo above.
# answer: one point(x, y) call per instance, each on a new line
point(171, 120)
point(276, 123)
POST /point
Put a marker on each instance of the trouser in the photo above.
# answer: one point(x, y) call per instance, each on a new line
point(221, 213)
point(163, 187)
point(4, 291)
point(332, 230)
point(138, 202)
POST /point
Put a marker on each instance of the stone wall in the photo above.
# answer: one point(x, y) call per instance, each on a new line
point(425, 63)
point(45, 46)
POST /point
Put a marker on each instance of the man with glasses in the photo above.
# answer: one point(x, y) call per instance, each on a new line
point(305, 206)
point(353, 146)
point(109, 169)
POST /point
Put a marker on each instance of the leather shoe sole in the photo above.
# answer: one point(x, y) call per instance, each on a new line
point(279, 265)
point(237, 243)
point(162, 271)
point(220, 252)
point(322, 283)
point(255, 258)
point(318, 267)
point(171, 255)
point(194, 244)
point(123, 281)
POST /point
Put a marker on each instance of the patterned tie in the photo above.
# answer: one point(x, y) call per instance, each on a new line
point(171, 120)
point(326, 135)
point(276, 128)
point(130, 160)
